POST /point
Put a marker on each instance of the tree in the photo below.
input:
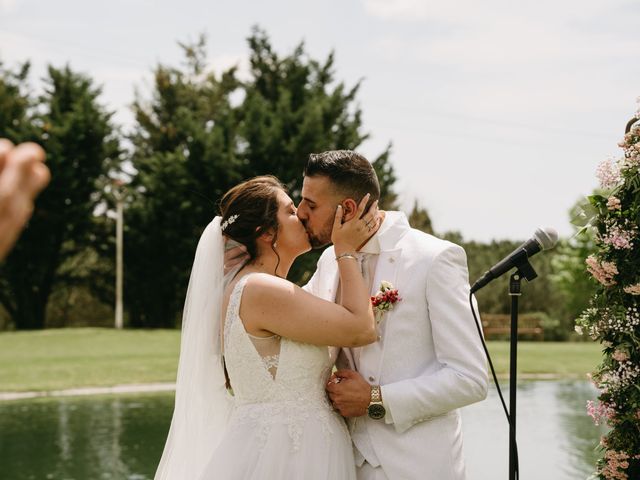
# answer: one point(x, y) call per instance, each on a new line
point(419, 218)
point(539, 296)
point(14, 102)
point(76, 133)
point(185, 154)
point(192, 143)
point(569, 276)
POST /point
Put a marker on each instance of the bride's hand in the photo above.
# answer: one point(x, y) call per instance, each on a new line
point(350, 235)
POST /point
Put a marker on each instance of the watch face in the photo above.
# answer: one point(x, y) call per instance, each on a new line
point(376, 411)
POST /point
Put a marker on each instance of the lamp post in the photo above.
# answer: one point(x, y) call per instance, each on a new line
point(118, 194)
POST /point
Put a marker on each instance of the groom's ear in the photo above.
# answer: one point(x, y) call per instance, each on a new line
point(349, 207)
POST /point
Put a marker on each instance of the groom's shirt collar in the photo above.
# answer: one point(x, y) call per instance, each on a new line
point(373, 245)
point(394, 226)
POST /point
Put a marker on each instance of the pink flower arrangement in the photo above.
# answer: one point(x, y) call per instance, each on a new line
point(613, 317)
point(616, 462)
point(627, 140)
point(631, 145)
point(603, 271)
point(608, 173)
point(620, 356)
point(613, 203)
point(605, 321)
point(618, 237)
point(632, 157)
point(625, 375)
point(600, 412)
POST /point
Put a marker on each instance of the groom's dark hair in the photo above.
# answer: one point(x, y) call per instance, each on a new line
point(351, 173)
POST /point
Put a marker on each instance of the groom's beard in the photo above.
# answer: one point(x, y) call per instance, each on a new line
point(317, 243)
point(323, 238)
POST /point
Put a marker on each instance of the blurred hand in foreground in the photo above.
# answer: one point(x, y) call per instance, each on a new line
point(22, 176)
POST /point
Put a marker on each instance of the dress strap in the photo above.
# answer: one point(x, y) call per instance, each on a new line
point(236, 295)
point(233, 307)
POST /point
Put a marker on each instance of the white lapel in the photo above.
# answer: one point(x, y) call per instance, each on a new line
point(394, 227)
point(386, 269)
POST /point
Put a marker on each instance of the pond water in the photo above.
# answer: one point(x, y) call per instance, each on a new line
point(121, 437)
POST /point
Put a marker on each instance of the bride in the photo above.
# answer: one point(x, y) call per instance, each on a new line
point(265, 339)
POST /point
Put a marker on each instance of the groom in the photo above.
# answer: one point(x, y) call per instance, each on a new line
point(401, 393)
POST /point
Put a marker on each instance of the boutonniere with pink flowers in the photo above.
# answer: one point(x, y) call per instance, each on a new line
point(385, 299)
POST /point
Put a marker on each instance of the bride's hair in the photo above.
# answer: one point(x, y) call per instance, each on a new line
point(250, 209)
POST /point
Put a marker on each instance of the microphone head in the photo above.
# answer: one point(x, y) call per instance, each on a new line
point(547, 237)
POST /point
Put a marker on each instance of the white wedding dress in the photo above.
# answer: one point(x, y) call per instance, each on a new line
point(282, 426)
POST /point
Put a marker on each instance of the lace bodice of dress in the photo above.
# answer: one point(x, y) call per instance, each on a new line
point(273, 369)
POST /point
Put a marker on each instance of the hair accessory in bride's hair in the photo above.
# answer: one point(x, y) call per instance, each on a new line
point(228, 222)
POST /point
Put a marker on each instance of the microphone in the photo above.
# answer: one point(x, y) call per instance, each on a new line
point(543, 239)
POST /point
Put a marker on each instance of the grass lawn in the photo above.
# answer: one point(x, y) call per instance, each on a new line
point(83, 357)
point(563, 359)
point(68, 358)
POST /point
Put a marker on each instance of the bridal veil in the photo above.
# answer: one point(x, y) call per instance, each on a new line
point(202, 403)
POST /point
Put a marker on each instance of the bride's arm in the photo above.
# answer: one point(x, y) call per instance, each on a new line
point(276, 305)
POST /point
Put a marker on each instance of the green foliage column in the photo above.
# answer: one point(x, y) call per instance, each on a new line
point(613, 319)
point(185, 154)
point(76, 133)
point(14, 103)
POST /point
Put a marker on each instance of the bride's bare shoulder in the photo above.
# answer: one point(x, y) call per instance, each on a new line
point(264, 298)
point(262, 287)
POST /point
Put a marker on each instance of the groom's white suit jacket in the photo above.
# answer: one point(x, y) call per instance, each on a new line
point(429, 359)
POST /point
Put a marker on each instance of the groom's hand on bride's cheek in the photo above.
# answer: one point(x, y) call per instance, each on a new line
point(350, 394)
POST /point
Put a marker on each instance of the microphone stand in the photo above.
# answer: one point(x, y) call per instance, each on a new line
point(523, 269)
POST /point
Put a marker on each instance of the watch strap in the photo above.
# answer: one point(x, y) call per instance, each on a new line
point(376, 395)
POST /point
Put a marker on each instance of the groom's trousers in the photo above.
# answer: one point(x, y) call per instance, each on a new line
point(367, 472)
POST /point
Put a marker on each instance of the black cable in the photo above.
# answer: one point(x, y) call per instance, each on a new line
point(495, 380)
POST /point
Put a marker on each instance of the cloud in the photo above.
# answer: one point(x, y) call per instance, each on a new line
point(7, 6)
point(518, 59)
point(478, 36)
point(465, 12)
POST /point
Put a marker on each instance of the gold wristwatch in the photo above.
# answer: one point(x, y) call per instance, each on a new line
point(376, 410)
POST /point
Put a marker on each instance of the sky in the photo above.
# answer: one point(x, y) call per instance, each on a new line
point(498, 111)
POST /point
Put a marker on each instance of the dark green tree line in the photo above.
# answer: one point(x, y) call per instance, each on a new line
point(75, 131)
